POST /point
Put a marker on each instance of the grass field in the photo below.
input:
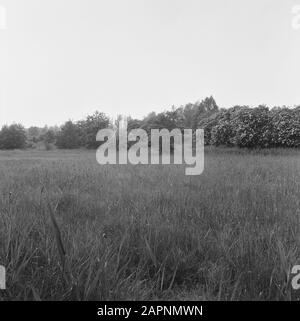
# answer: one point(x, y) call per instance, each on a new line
point(149, 232)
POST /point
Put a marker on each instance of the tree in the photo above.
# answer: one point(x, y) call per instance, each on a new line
point(12, 137)
point(48, 138)
point(204, 109)
point(69, 136)
point(33, 134)
point(207, 124)
point(90, 127)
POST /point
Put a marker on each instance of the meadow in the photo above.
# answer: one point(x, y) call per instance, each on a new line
point(71, 229)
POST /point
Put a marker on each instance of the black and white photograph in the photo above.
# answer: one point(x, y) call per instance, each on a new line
point(149, 155)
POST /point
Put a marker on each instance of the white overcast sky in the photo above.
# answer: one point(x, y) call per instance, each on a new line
point(63, 59)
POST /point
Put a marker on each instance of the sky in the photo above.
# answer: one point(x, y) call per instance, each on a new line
point(64, 59)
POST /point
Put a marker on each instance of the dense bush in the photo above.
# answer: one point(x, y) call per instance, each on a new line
point(257, 127)
point(286, 127)
point(224, 131)
point(253, 127)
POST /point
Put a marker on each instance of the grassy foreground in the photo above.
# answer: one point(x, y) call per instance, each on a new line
point(71, 229)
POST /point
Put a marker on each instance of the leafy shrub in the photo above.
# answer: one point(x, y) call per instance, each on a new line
point(258, 127)
point(223, 133)
point(253, 127)
point(207, 124)
point(286, 127)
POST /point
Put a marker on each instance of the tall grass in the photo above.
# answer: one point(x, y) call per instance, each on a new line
point(73, 230)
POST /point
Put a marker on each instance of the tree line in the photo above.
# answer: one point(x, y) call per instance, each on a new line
point(240, 126)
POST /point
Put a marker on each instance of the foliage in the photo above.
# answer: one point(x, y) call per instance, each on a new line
point(89, 128)
point(258, 127)
point(223, 132)
point(253, 127)
point(49, 137)
point(69, 136)
point(239, 126)
point(12, 137)
point(286, 127)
